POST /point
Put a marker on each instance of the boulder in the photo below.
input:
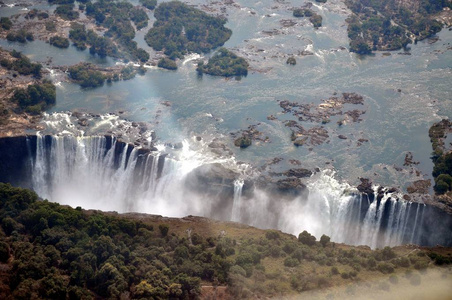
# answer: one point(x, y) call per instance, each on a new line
point(290, 186)
point(299, 173)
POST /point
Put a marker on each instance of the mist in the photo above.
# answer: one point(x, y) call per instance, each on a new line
point(100, 172)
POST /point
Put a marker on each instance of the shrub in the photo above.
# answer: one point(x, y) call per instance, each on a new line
point(387, 253)
point(334, 271)
point(291, 262)
point(5, 23)
point(289, 247)
point(385, 268)
point(419, 265)
point(58, 41)
point(324, 240)
point(149, 4)
point(21, 36)
point(402, 262)
point(237, 270)
point(164, 228)
point(306, 238)
point(167, 63)
point(272, 234)
point(446, 178)
point(275, 251)
point(441, 187)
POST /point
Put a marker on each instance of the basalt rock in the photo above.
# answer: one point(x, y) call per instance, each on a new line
point(290, 187)
point(215, 183)
point(299, 173)
point(365, 188)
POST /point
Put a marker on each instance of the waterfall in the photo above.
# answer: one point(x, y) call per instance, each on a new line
point(237, 201)
point(99, 172)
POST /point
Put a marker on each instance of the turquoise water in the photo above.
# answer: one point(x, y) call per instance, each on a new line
point(394, 122)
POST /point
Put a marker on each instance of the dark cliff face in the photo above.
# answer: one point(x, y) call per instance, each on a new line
point(15, 162)
point(214, 183)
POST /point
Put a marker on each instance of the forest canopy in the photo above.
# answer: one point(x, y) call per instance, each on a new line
point(387, 25)
point(181, 29)
point(224, 63)
point(51, 251)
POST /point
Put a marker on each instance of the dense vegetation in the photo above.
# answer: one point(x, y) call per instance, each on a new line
point(139, 17)
point(116, 17)
point(243, 141)
point(315, 18)
point(84, 75)
point(21, 64)
point(181, 29)
point(36, 13)
point(57, 252)
point(36, 97)
point(149, 4)
point(291, 61)
point(67, 12)
point(99, 45)
point(387, 25)
point(442, 158)
point(224, 63)
point(59, 41)
point(21, 36)
point(5, 23)
point(167, 63)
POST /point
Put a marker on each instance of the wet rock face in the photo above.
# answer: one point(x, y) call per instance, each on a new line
point(15, 160)
point(365, 188)
point(290, 187)
point(299, 173)
point(215, 183)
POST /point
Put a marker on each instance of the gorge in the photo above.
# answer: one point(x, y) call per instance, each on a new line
point(104, 172)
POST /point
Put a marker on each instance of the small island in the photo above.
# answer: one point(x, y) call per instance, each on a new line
point(181, 29)
point(315, 18)
point(391, 25)
point(291, 61)
point(224, 63)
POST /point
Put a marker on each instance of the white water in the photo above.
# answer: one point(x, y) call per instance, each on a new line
point(237, 201)
point(83, 171)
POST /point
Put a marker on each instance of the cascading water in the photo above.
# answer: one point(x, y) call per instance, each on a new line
point(237, 201)
point(99, 172)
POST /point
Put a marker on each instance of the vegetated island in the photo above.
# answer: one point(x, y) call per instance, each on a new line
point(24, 94)
point(90, 76)
point(392, 24)
point(181, 29)
point(50, 251)
point(224, 63)
point(110, 32)
point(307, 12)
point(442, 160)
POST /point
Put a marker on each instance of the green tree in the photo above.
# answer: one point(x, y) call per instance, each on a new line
point(164, 228)
point(306, 238)
point(324, 240)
